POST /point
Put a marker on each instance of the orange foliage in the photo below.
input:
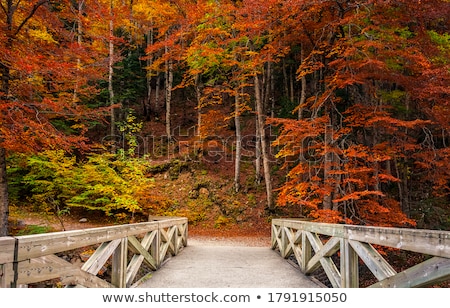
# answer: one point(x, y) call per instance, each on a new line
point(45, 74)
point(366, 118)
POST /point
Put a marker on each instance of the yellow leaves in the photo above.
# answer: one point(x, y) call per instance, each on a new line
point(158, 13)
point(42, 34)
point(99, 46)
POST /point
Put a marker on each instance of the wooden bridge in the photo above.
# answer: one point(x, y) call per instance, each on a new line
point(125, 256)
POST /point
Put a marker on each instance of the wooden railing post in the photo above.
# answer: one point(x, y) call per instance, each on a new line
point(284, 242)
point(119, 264)
point(7, 254)
point(175, 240)
point(306, 252)
point(349, 266)
point(155, 247)
point(185, 234)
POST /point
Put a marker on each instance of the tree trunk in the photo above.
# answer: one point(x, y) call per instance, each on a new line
point(267, 93)
point(111, 72)
point(302, 98)
point(5, 87)
point(198, 93)
point(4, 205)
point(303, 89)
point(169, 82)
point(264, 154)
point(237, 121)
point(327, 169)
point(79, 42)
point(148, 101)
point(291, 84)
point(285, 79)
point(9, 8)
point(157, 89)
point(257, 155)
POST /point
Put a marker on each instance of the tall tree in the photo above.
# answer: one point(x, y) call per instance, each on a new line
point(363, 120)
point(111, 68)
point(39, 71)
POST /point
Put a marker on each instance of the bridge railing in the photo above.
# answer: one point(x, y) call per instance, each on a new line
point(340, 249)
point(122, 250)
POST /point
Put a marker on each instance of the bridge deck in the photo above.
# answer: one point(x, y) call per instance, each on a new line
point(206, 265)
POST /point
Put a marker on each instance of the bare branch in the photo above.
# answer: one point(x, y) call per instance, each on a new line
point(36, 6)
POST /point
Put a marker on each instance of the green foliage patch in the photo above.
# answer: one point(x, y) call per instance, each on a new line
point(55, 182)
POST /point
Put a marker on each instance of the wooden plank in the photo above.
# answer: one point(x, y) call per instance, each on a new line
point(31, 246)
point(174, 240)
point(286, 237)
point(78, 278)
point(119, 265)
point(44, 268)
point(163, 249)
point(306, 251)
point(167, 223)
point(100, 256)
point(379, 267)
point(431, 242)
point(148, 239)
point(52, 267)
point(7, 276)
point(136, 247)
point(184, 229)
point(166, 237)
point(274, 236)
point(349, 266)
point(334, 230)
point(154, 248)
point(427, 273)
point(182, 236)
point(332, 272)
point(327, 250)
point(133, 268)
point(297, 246)
point(141, 254)
point(327, 264)
point(7, 249)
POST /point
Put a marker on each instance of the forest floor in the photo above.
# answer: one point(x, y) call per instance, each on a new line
point(24, 222)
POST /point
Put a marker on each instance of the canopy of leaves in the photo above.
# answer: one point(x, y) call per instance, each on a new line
point(368, 84)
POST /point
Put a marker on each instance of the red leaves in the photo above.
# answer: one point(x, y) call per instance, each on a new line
point(42, 70)
point(380, 103)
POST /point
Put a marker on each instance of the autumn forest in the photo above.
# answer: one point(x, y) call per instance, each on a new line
point(336, 111)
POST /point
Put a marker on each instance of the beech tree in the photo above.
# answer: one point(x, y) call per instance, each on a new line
point(166, 21)
point(358, 89)
point(362, 123)
point(41, 64)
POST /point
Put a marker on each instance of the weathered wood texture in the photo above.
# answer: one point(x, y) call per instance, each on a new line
point(125, 248)
point(315, 244)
